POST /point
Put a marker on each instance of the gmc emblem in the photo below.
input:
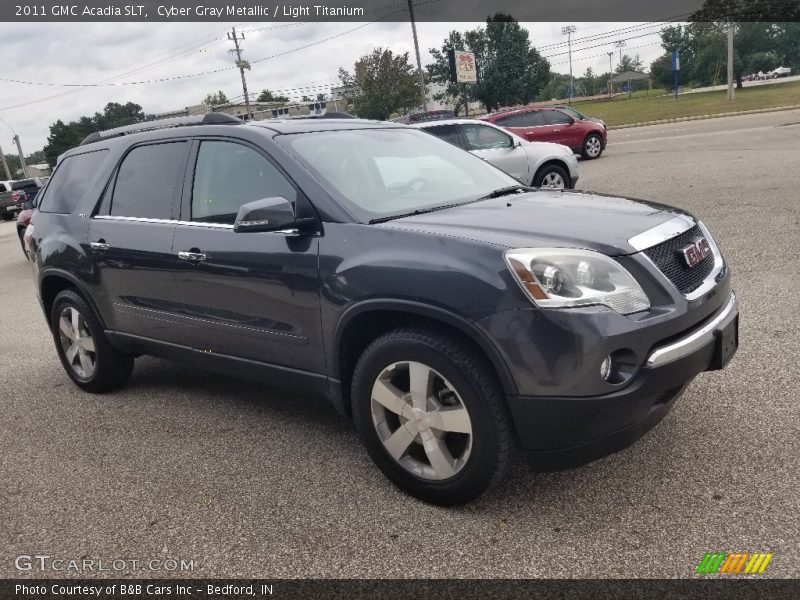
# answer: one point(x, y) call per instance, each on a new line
point(695, 252)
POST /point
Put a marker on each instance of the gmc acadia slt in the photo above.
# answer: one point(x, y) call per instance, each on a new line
point(455, 314)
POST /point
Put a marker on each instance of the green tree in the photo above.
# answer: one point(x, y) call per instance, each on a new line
point(217, 99)
point(381, 84)
point(629, 63)
point(510, 70)
point(661, 72)
point(267, 96)
point(322, 97)
point(64, 136)
point(438, 71)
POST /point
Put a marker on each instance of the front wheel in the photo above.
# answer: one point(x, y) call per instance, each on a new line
point(86, 354)
point(592, 147)
point(553, 177)
point(431, 415)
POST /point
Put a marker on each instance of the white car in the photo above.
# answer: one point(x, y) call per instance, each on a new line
point(538, 164)
point(780, 72)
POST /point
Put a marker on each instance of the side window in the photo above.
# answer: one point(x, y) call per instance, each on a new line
point(526, 119)
point(71, 181)
point(448, 133)
point(228, 175)
point(147, 180)
point(556, 117)
point(481, 137)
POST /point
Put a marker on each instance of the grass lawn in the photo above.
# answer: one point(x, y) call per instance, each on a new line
point(622, 110)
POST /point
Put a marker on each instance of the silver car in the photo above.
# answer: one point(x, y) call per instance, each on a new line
point(539, 164)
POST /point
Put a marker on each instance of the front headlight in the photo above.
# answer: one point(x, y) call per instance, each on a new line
point(565, 278)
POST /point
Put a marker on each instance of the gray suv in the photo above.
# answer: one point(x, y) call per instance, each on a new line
point(458, 317)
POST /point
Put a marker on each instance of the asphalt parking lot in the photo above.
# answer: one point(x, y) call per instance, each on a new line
point(184, 464)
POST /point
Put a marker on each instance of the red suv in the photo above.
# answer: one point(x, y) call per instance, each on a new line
point(551, 125)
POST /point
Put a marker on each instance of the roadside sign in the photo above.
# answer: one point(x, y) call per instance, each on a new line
point(676, 61)
point(462, 67)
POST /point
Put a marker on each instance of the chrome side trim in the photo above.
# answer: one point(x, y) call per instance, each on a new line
point(204, 224)
point(692, 342)
point(134, 219)
point(661, 233)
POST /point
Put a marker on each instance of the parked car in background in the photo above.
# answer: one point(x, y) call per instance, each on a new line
point(22, 190)
point(421, 117)
point(457, 315)
point(780, 72)
point(538, 164)
point(576, 114)
point(586, 138)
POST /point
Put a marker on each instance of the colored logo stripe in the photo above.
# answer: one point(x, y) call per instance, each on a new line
point(721, 562)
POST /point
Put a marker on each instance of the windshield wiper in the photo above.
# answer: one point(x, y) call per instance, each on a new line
point(419, 211)
point(512, 189)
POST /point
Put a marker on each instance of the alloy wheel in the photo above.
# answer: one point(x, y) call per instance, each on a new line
point(553, 180)
point(421, 420)
point(77, 343)
point(593, 146)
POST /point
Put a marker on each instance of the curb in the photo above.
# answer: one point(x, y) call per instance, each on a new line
point(703, 117)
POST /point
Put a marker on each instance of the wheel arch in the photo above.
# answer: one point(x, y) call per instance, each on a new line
point(54, 281)
point(548, 162)
point(363, 323)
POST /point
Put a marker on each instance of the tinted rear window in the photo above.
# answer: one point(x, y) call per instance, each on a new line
point(448, 133)
point(71, 181)
point(25, 184)
point(526, 119)
point(147, 180)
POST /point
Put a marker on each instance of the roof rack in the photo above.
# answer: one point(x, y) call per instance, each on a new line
point(207, 119)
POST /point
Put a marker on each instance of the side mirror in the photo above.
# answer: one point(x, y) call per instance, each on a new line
point(517, 143)
point(267, 214)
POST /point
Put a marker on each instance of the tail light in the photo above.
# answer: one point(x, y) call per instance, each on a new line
point(27, 239)
point(18, 196)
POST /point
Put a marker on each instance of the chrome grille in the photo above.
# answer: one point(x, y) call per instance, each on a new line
point(668, 258)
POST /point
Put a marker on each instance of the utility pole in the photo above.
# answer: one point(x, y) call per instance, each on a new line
point(568, 30)
point(21, 156)
point(731, 89)
point(5, 165)
point(242, 64)
point(620, 44)
point(419, 61)
point(610, 71)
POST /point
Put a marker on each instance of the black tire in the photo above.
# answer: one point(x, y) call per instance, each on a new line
point(552, 169)
point(590, 139)
point(492, 441)
point(111, 368)
point(6, 215)
point(21, 234)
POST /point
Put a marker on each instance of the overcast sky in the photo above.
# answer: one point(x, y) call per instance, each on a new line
point(80, 53)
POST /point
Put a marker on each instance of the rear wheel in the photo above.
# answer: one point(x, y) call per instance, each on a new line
point(85, 352)
point(592, 147)
point(551, 176)
point(431, 415)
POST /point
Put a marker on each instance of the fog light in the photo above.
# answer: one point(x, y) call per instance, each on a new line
point(605, 368)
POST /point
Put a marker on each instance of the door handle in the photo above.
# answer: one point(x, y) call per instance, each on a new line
point(100, 246)
point(193, 256)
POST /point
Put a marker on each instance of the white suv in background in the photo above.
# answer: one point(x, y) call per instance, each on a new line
point(538, 164)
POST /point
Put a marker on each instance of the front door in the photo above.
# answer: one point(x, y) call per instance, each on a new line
point(248, 295)
point(497, 148)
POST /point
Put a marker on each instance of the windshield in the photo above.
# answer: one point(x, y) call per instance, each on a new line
point(381, 173)
point(571, 112)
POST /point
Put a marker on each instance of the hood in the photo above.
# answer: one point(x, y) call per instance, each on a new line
point(546, 218)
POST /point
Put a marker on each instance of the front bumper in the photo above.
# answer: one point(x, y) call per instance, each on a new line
point(561, 432)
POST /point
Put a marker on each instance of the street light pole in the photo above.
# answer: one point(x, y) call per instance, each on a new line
point(21, 156)
point(610, 71)
point(568, 30)
point(419, 61)
point(731, 90)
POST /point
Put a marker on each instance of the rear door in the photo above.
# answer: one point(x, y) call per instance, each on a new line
point(497, 148)
point(528, 125)
point(247, 295)
point(448, 133)
point(131, 240)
